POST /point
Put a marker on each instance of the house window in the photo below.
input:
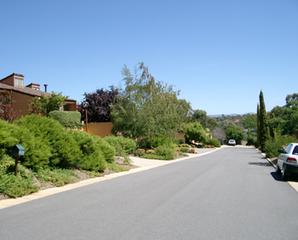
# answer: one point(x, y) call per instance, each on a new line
point(18, 82)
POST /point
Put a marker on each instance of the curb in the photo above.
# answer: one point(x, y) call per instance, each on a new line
point(55, 190)
point(268, 159)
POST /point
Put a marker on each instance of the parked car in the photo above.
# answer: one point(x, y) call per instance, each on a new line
point(287, 162)
point(232, 142)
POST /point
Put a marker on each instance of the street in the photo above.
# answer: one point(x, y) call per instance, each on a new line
point(230, 194)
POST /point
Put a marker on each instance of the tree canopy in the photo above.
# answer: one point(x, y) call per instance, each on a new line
point(98, 104)
point(47, 103)
point(146, 107)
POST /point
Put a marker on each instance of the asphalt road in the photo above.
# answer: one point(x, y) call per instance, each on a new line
point(229, 194)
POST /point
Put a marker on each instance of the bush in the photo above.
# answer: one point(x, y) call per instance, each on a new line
point(107, 150)
point(213, 142)
point(122, 145)
point(15, 186)
point(68, 119)
point(58, 177)
point(36, 153)
point(140, 152)
point(64, 151)
point(163, 152)
point(154, 141)
point(195, 132)
point(184, 148)
point(273, 145)
point(167, 151)
point(92, 157)
point(251, 141)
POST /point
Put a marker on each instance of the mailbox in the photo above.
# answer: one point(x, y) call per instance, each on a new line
point(18, 151)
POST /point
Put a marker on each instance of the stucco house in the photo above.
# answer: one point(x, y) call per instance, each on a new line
point(16, 97)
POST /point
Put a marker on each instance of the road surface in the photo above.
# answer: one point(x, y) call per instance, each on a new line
point(230, 194)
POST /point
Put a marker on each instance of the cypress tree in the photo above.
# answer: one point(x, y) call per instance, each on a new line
point(263, 126)
point(258, 125)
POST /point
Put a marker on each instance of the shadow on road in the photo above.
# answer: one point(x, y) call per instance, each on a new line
point(261, 164)
point(277, 177)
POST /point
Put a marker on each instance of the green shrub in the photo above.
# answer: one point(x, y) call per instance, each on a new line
point(154, 141)
point(58, 177)
point(6, 164)
point(15, 186)
point(92, 157)
point(195, 132)
point(107, 150)
point(140, 152)
point(273, 145)
point(69, 119)
point(251, 141)
point(167, 151)
point(122, 145)
point(184, 148)
point(64, 151)
point(213, 142)
point(36, 153)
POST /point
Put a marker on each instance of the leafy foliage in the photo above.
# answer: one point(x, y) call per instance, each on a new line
point(58, 177)
point(91, 154)
point(195, 132)
point(166, 151)
point(47, 103)
point(15, 186)
point(234, 132)
point(162, 152)
point(64, 150)
point(201, 117)
point(98, 104)
point(147, 108)
point(273, 145)
point(69, 119)
point(122, 145)
point(36, 155)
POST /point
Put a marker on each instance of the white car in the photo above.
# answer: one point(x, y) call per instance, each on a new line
point(232, 142)
point(287, 162)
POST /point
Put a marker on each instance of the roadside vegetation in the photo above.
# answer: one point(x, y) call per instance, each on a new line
point(152, 113)
point(54, 155)
point(277, 128)
point(149, 120)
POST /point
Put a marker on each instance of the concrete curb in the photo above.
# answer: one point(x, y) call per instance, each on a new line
point(55, 190)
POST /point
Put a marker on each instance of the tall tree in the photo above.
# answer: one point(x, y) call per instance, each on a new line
point(146, 108)
point(258, 125)
point(262, 122)
point(98, 104)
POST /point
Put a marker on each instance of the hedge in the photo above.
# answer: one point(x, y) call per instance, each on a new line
point(69, 119)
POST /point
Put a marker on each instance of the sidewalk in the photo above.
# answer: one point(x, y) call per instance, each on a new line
point(140, 163)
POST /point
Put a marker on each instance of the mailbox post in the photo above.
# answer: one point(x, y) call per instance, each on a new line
point(17, 151)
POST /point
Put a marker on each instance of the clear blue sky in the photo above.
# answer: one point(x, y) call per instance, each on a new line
point(219, 53)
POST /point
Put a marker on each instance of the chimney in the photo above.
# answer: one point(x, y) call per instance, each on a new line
point(18, 80)
point(45, 87)
point(34, 86)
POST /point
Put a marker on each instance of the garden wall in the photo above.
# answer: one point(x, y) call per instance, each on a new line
point(100, 129)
